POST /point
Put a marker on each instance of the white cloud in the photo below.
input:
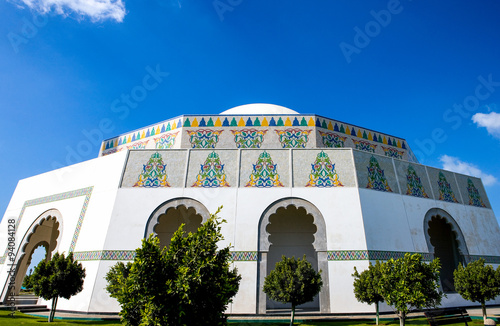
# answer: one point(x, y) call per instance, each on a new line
point(95, 9)
point(451, 163)
point(489, 120)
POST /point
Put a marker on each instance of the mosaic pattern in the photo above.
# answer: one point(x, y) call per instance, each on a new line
point(87, 192)
point(487, 259)
point(105, 255)
point(364, 146)
point(265, 173)
point(204, 138)
point(244, 255)
point(414, 184)
point(139, 145)
point(153, 173)
point(323, 173)
point(376, 178)
point(212, 173)
point(445, 192)
point(392, 152)
point(248, 138)
point(332, 140)
point(293, 138)
point(474, 197)
point(166, 141)
point(372, 255)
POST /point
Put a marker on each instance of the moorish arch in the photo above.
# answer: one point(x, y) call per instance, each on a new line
point(293, 227)
point(44, 231)
point(446, 241)
point(167, 218)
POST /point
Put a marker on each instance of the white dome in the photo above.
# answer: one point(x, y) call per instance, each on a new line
point(258, 108)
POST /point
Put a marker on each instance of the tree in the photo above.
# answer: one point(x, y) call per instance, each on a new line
point(190, 283)
point(477, 282)
point(293, 281)
point(59, 277)
point(367, 286)
point(409, 282)
point(27, 282)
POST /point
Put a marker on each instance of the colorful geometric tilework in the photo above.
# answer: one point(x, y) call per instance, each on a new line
point(153, 173)
point(364, 146)
point(376, 178)
point(392, 152)
point(445, 192)
point(105, 255)
point(212, 174)
point(332, 140)
point(87, 192)
point(293, 138)
point(248, 138)
point(323, 173)
point(474, 197)
point(265, 173)
point(166, 141)
point(244, 255)
point(138, 145)
point(487, 259)
point(204, 138)
point(371, 255)
point(414, 184)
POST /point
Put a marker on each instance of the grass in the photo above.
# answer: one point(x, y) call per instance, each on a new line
point(24, 319)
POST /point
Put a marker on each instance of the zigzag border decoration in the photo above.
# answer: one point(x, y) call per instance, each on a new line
point(244, 255)
point(87, 192)
point(130, 255)
point(342, 255)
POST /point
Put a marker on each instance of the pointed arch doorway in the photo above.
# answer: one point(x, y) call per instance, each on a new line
point(292, 227)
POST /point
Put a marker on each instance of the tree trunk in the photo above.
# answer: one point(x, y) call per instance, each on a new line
point(483, 306)
point(402, 318)
point(293, 315)
point(53, 309)
point(376, 308)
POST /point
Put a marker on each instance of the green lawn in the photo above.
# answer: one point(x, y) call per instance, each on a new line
point(23, 319)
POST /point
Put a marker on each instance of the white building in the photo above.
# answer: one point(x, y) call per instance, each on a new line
point(290, 184)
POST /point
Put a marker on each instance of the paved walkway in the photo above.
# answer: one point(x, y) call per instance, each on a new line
point(493, 311)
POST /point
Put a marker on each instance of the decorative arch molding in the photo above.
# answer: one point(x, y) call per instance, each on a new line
point(319, 244)
point(153, 220)
point(455, 228)
point(28, 244)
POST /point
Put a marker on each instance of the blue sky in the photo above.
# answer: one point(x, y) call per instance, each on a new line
point(426, 71)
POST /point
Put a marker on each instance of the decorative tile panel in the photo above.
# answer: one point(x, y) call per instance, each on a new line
point(248, 138)
point(474, 197)
point(445, 192)
point(372, 255)
point(212, 174)
point(265, 173)
point(323, 173)
point(244, 255)
point(364, 146)
point(293, 138)
point(376, 178)
point(138, 145)
point(414, 184)
point(332, 140)
point(166, 141)
point(104, 255)
point(153, 173)
point(393, 152)
point(204, 138)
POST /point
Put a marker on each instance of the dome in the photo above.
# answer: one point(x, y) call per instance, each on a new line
point(258, 108)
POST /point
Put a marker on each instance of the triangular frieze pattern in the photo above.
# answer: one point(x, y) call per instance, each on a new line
point(474, 197)
point(323, 174)
point(414, 185)
point(212, 174)
point(445, 191)
point(265, 173)
point(153, 173)
point(376, 177)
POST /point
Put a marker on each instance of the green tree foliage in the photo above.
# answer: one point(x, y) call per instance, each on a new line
point(409, 282)
point(27, 282)
point(190, 283)
point(367, 286)
point(477, 282)
point(59, 277)
point(293, 281)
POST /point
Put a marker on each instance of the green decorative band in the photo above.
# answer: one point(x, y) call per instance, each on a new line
point(372, 255)
point(130, 255)
point(244, 255)
point(487, 259)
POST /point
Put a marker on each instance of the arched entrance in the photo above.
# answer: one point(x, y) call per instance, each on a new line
point(446, 241)
point(167, 218)
point(292, 227)
point(44, 231)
